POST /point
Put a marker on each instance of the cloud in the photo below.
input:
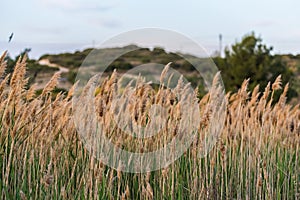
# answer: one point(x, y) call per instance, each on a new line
point(265, 23)
point(107, 23)
point(45, 33)
point(58, 3)
point(44, 30)
point(78, 5)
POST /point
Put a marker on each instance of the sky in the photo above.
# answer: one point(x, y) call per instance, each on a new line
point(55, 26)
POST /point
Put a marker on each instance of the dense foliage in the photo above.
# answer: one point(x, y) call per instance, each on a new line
point(43, 157)
point(251, 58)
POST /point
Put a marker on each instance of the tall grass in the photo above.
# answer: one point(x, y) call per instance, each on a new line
point(42, 156)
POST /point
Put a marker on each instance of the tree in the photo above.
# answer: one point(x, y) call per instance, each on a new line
point(12, 62)
point(252, 59)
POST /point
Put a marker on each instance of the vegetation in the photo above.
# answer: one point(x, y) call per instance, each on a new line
point(33, 68)
point(135, 56)
point(68, 59)
point(250, 58)
point(42, 156)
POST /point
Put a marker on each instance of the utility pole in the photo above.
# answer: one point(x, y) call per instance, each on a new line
point(93, 43)
point(220, 45)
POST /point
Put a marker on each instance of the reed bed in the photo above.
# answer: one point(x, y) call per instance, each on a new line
point(42, 156)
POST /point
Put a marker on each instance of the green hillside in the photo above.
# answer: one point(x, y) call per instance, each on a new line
point(249, 58)
point(288, 65)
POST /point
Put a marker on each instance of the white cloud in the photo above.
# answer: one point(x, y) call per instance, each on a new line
point(44, 30)
point(265, 23)
point(107, 23)
point(60, 3)
point(78, 5)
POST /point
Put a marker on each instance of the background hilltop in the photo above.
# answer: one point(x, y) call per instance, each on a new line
point(249, 58)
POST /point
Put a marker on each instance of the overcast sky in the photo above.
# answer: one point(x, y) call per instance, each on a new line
point(53, 26)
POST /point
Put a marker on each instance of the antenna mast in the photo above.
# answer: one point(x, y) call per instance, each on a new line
point(220, 44)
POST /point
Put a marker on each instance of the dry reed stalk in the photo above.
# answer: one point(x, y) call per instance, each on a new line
point(256, 130)
point(3, 63)
point(51, 84)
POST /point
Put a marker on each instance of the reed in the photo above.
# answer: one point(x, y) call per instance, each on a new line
point(42, 156)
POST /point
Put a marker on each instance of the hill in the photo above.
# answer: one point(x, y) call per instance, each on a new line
point(40, 71)
point(138, 56)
